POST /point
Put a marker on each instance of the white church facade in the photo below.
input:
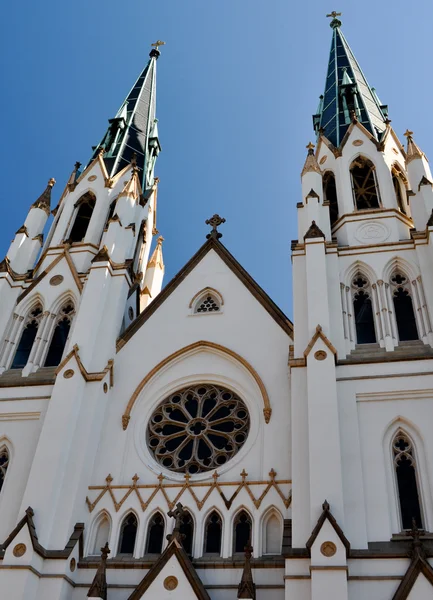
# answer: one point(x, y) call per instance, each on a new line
point(190, 442)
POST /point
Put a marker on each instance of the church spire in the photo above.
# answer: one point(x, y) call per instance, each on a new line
point(134, 130)
point(347, 94)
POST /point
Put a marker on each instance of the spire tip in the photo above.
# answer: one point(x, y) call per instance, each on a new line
point(335, 23)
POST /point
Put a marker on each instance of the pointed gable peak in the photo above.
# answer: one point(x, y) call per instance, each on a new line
point(347, 95)
point(44, 200)
point(413, 150)
point(311, 164)
point(327, 515)
point(156, 260)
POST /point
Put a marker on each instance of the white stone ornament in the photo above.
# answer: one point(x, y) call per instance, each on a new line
point(372, 233)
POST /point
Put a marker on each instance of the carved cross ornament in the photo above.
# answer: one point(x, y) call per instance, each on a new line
point(178, 514)
point(215, 222)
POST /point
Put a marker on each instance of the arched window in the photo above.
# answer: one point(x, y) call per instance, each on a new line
point(110, 213)
point(213, 534)
point(128, 533)
point(407, 485)
point(364, 184)
point(403, 308)
point(241, 532)
point(4, 464)
point(273, 536)
point(27, 339)
point(330, 195)
point(60, 335)
point(398, 181)
point(155, 534)
point(363, 311)
point(101, 535)
point(187, 531)
point(85, 205)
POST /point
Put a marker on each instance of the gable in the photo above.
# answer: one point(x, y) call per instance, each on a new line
point(207, 279)
point(172, 572)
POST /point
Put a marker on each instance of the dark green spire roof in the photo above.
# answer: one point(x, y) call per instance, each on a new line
point(133, 130)
point(347, 94)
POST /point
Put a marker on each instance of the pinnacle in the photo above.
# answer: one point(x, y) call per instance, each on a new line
point(311, 164)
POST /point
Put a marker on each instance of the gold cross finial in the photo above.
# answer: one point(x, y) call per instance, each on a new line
point(334, 14)
point(408, 133)
point(157, 44)
point(310, 146)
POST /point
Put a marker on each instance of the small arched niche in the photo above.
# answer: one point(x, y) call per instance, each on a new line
point(101, 533)
point(84, 206)
point(364, 184)
point(272, 533)
point(330, 195)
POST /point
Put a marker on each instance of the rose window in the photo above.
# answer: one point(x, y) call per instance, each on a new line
point(198, 429)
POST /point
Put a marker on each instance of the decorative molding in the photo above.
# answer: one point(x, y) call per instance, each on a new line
point(20, 416)
point(173, 492)
point(88, 376)
point(319, 334)
point(267, 410)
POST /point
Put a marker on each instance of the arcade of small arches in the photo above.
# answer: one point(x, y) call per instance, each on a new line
point(377, 310)
point(38, 337)
point(365, 188)
point(214, 529)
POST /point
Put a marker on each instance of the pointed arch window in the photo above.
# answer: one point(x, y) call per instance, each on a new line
point(207, 304)
point(128, 534)
point(110, 213)
point(85, 206)
point(187, 531)
point(60, 335)
point(155, 534)
point(363, 311)
point(273, 535)
point(241, 532)
point(330, 195)
point(364, 184)
point(27, 338)
point(403, 308)
point(101, 535)
point(407, 480)
point(213, 534)
point(399, 182)
point(4, 464)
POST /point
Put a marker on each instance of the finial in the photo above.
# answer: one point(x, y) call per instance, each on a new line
point(105, 551)
point(160, 240)
point(310, 147)
point(155, 49)
point(335, 23)
point(178, 514)
point(215, 221)
point(51, 182)
point(408, 134)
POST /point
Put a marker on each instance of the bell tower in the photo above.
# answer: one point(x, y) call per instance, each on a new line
point(362, 270)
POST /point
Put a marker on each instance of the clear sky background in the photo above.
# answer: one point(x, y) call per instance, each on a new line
point(238, 82)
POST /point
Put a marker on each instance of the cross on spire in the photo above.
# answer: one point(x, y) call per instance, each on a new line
point(215, 221)
point(335, 22)
point(157, 44)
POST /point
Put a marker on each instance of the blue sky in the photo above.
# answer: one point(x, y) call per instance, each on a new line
point(238, 82)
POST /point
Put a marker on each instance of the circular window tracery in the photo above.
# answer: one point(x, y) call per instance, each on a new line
point(198, 428)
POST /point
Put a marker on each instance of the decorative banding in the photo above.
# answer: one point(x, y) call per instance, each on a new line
point(267, 410)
